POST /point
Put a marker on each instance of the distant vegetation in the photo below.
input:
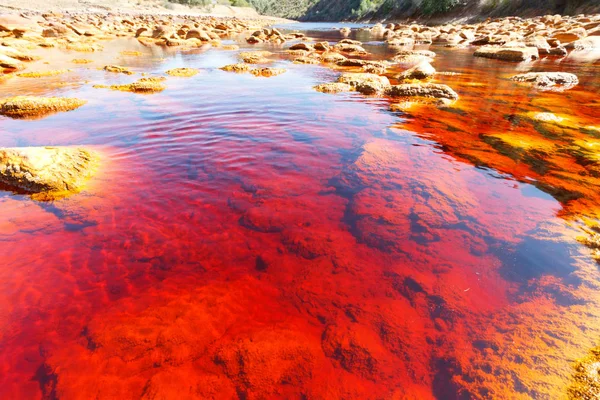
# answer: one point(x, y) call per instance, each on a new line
point(362, 10)
point(208, 3)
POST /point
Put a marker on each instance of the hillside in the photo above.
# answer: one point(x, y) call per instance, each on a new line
point(363, 10)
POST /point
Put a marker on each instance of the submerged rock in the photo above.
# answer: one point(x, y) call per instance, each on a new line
point(182, 72)
point(47, 172)
point(557, 81)
point(334, 87)
point(117, 69)
point(41, 74)
point(239, 68)
point(37, 107)
point(144, 85)
point(267, 72)
point(255, 57)
point(508, 53)
point(438, 91)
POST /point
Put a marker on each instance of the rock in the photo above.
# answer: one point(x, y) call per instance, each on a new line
point(424, 70)
point(585, 382)
point(438, 91)
point(48, 172)
point(332, 57)
point(322, 46)
point(365, 83)
point(411, 59)
point(141, 31)
point(255, 57)
point(42, 74)
point(345, 31)
point(83, 47)
point(334, 87)
point(81, 61)
point(161, 31)
point(302, 46)
point(423, 53)
point(37, 107)
point(508, 53)
point(401, 42)
point(10, 63)
point(350, 48)
point(16, 24)
point(144, 85)
point(117, 69)
point(267, 72)
point(306, 60)
point(568, 37)
point(239, 68)
point(373, 67)
point(556, 81)
point(182, 72)
point(198, 34)
point(588, 43)
point(16, 54)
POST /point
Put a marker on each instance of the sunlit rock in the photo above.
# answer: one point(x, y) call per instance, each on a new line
point(508, 54)
point(42, 74)
point(420, 71)
point(36, 107)
point(183, 72)
point(556, 81)
point(255, 57)
point(333, 87)
point(144, 85)
point(238, 68)
point(117, 69)
point(423, 90)
point(365, 83)
point(267, 72)
point(48, 172)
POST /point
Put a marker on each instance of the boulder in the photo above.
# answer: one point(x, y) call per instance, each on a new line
point(303, 46)
point(424, 70)
point(267, 72)
point(144, 85)
point(37, 107)
point(508, 53)
point(556, 81)
point(182, 72)
point(16, 24)
point(117, 69)
point(333, 87)
point(48, 172)
point(437, 91)
point(365, 83)
point(197, 34)
point(239, 68)
point(588, 43)
point(10, 63)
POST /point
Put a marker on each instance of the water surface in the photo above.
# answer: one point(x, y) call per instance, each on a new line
point(253, 238)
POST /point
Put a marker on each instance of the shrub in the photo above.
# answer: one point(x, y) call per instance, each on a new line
point(430, 7)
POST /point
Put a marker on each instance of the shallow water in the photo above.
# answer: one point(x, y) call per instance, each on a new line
point(253, 238)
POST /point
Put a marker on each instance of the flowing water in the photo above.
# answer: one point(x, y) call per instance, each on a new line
point(252, 238)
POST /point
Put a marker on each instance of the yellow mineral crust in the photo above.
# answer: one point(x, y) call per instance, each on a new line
point(47, 172)
point(37, 107)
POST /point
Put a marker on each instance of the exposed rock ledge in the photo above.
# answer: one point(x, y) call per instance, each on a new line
point(46, 172)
